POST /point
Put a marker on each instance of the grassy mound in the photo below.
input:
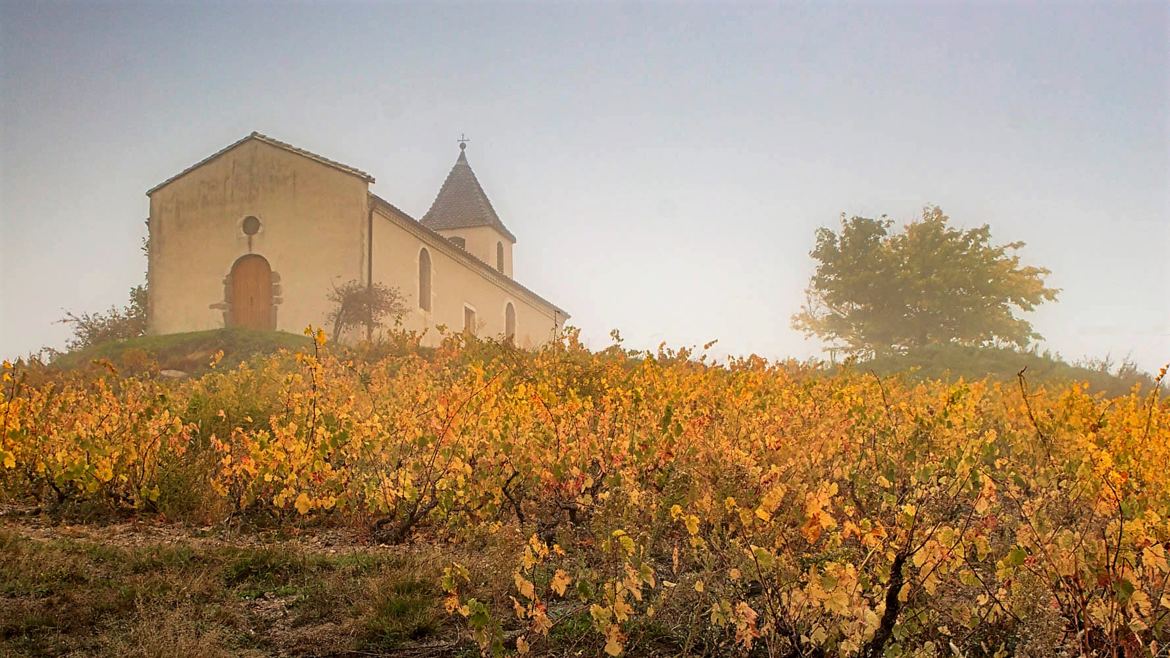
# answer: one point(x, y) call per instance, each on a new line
point(951, 362)
point(189, 352)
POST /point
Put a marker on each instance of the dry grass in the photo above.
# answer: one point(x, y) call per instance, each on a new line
point(149, 589)
point(81, 591)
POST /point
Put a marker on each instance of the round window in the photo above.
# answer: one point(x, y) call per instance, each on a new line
point(251, 225)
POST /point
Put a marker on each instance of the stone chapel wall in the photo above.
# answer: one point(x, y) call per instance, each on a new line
point(455, 284)
point(312, 232)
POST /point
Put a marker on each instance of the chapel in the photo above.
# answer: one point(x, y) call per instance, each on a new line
point(260, 233)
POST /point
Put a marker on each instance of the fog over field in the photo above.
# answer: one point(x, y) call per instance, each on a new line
point(867, 346)
point(663, 166)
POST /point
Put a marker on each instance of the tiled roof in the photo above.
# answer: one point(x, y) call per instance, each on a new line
point(272, 142)
point(462, 203)
point(461, 255)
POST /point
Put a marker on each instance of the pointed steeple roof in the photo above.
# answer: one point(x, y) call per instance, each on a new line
point(462, 203)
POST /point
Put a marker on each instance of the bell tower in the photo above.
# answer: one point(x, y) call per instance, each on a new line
point(463, 214)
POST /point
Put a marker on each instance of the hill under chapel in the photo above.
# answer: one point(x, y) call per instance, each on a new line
point(258, 234)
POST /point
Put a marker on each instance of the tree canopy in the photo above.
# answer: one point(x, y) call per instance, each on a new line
point(877, 290)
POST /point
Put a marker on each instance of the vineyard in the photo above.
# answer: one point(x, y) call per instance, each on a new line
point(657, 502)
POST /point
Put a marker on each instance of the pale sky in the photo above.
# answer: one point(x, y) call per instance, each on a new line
point(663, 166)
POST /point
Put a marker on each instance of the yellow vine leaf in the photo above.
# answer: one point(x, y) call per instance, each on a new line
point(303, 503)
point(560, 581)
point(614, 640)
point(524, 586)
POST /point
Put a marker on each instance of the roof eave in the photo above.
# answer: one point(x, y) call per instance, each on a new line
point(501, 229)
point(271, 142)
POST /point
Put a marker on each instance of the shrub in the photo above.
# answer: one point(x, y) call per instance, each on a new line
point(115, 324)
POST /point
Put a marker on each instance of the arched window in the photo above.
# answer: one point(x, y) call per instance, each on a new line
point(469, 321)
point(424, 280)
point(500, 256)
point(510, 323)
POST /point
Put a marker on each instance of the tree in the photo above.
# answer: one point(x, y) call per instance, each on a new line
point(360, 305)
point(875, 290)
point(90, 329)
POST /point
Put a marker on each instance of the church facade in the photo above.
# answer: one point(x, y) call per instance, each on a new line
point(260, 233)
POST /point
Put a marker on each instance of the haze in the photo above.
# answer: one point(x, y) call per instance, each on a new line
point(663, 166)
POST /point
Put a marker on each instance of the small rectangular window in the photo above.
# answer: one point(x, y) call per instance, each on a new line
point(458, 242)
point(468, 320)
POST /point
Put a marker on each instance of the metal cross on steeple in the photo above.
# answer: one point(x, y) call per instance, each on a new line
point(463, 141)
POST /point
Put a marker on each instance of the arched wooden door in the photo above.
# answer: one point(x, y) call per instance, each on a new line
point(252, 293)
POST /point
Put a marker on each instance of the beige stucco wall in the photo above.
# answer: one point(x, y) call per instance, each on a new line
point(481, 242)
point(454, 283)
point(313, 228)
